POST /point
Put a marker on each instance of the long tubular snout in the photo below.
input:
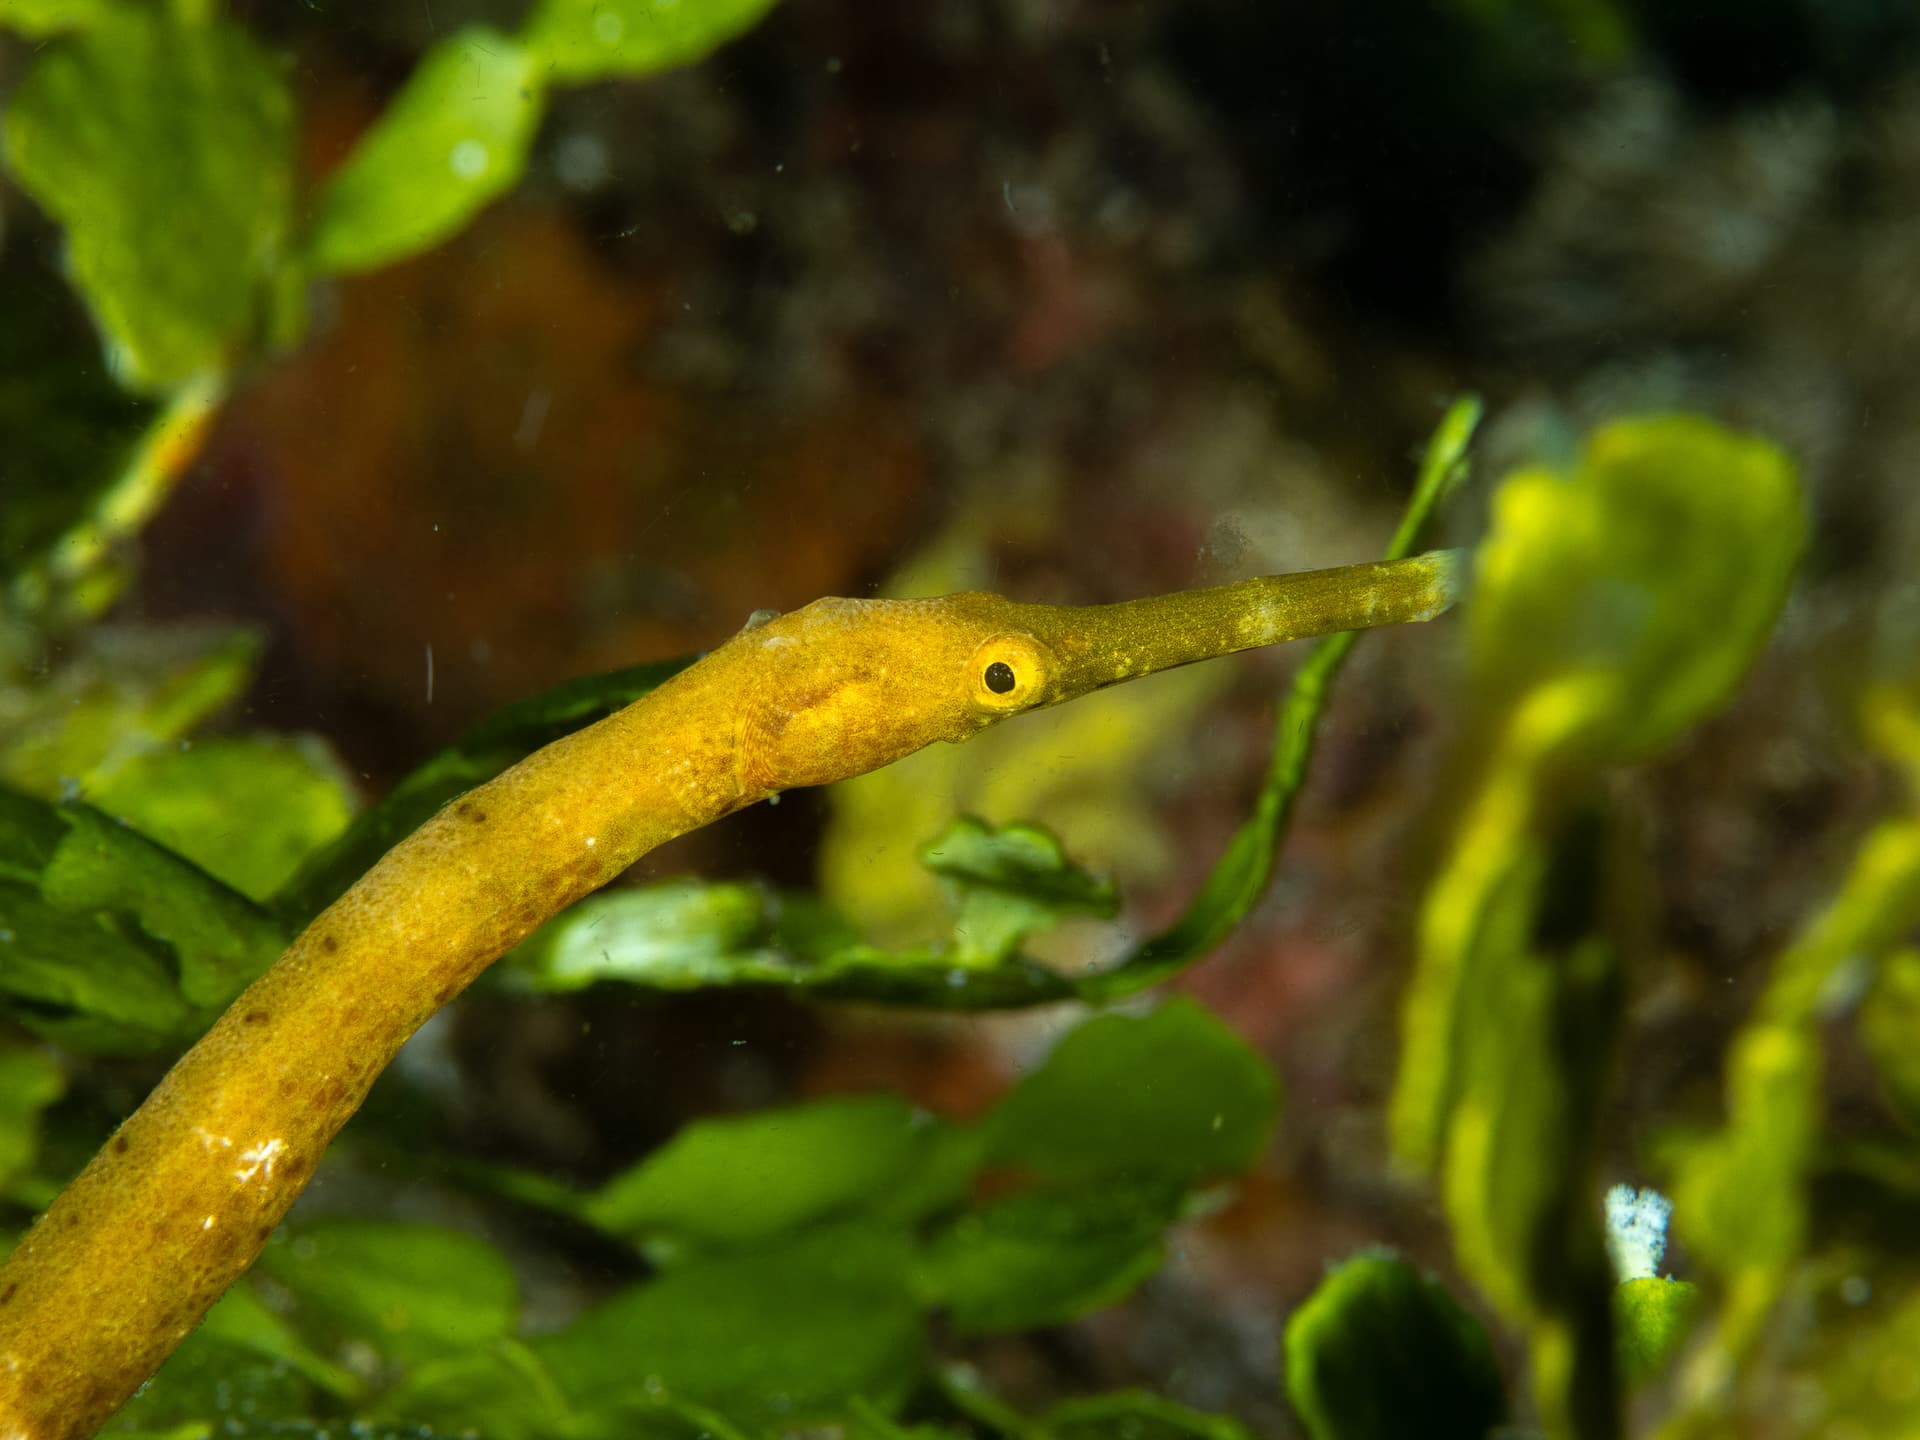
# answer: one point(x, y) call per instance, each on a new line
point(1101, 645)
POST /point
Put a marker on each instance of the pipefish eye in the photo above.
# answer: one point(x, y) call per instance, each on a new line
point(1009, 672)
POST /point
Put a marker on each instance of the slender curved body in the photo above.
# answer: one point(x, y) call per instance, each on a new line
point(180, 1201)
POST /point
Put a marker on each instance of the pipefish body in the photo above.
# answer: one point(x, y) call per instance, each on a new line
point(179, 1202)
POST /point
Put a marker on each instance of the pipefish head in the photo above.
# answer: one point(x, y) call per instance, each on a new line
point(841, 687)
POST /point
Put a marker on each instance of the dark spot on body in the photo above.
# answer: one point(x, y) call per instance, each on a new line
point(264, 1234)
point(329, 944)
point(121, 1145)
point(8, 1294)
point(256, 1017)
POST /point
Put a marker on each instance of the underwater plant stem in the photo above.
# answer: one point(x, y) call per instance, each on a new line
point(74, 571)
point(180, 1201)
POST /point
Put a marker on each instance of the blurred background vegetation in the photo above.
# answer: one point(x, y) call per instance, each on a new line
point(363, 371)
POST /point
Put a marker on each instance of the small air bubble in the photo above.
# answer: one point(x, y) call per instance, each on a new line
point(469, 159)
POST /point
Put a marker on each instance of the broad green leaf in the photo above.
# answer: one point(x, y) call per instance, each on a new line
point(241, 1319)
point(125, 691)
point(1587, 648)
point(89, 981)
point(1381, 1351)
point(413, 1292)
point(1006, 883)
point(1655, 571)
point(1651, 1319)
point(453, 139)
point(247, 811)
point(30, 831)
point(219, 941)
point(579, 40)
point(1740, 1197)
point(1047, 1257)
point(672, 936)
point(748, 1180)
point(1858, 1374)
point(1889, 1022)
point(1536, 1035)
point(50, 17)
point(110, 943)
point(774, 1338)
point(210, 1378)
point(1174, 1094)
point(1136, 1415)
point(30, 1080)
point(499, 1390)
point(503, 739)
point(689, 934)
point(166, 150)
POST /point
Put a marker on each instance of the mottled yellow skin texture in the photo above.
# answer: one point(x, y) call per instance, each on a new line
point(178, 1204)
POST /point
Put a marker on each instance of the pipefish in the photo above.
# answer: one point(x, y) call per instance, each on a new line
point(180, 1201)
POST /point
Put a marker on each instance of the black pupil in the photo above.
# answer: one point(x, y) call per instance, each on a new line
point(999, 677)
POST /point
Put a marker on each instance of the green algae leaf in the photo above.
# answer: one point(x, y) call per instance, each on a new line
point(84, 981)
point(500, 1390)
point(1889, 1021)
point(30, 831)
point(453, 139)
point(247, 811)
point(110, 943)
point(774, 1338)
point(1612, 609)
point(413, 1292)
point(747, 1180)
point(1047, 1257)
point(1174, 1094)
point(219, 940)
point(30, 1080)
point(166, 150)
point(40, 18)
point(689, 934)
point(242, 1361)
point(672, 936)
point(125, 691)
point(1648, 579)
point(1740, 1195)
point(1651, 1319)
point(240, 1318)
point(503, 739)
point(1860, 1367)
point(1136, 1415)
point(1380, 1351)
point(574, 41)
point(1005, 883)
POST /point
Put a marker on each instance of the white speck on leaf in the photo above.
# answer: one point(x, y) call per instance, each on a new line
point(469, 159)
